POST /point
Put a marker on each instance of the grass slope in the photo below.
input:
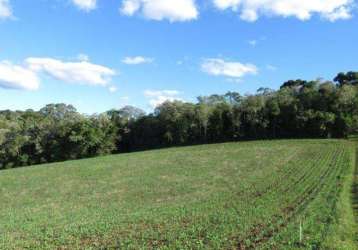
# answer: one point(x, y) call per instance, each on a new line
point(235, 195)
point(343, 234)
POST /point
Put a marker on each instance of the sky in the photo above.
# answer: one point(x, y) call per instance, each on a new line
point(103, 54)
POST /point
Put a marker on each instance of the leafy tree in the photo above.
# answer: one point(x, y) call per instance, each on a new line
point(294, 84)
point(350, 78)
point(298, 109)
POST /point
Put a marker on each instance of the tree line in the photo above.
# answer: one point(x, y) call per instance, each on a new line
point(299, 109)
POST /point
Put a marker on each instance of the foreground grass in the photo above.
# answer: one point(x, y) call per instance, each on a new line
point(343, 233)
point(234, 195)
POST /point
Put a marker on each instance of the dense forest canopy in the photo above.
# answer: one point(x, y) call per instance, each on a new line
point(299, 109)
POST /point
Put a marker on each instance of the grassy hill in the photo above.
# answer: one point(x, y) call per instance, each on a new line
point(234, 195)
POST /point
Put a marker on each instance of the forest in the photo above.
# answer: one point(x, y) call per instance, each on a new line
point(299, 109)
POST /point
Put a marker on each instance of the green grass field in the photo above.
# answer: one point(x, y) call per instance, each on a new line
point(225, 196)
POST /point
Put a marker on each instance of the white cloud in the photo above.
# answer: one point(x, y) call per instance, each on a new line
point(220, 67)
point(86, 5)
point(113, 89)
point(5, 9)
point(158, 97)
point(137, 60)
point(174, 10)
point(83, 57)
point(129, 7)
point(253, 43)
point(342, 13)
point(17, 77)
point(251, 10)
point(74, 72)
point(124, 98)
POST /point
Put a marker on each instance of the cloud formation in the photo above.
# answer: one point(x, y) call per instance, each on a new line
point(220, 67)
point(158, 97)
point(17, 77)
point(251, 10)
point(73, 72)
point(83, 57)
point(26, 76)
point(137, 60)
point(253, 43)
point(86, 5)
point(113, 89)
point(174, 10)
point(5, 9)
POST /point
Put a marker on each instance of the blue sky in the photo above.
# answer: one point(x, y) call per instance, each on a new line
point(104, 54)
